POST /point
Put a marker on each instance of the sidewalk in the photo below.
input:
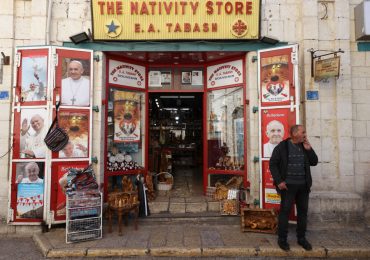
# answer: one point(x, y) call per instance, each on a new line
point(202, 238)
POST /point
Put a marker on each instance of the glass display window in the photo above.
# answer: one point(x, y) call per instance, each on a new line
point(125, 130)
point(225, 129)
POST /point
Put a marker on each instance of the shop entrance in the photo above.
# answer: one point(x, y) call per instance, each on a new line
point(176, 140)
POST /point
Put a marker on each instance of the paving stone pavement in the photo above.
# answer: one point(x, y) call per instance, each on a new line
point(203, 239)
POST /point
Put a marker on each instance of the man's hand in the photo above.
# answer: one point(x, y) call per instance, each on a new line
point(29, 154)
point(306, 144)
point(282, 186)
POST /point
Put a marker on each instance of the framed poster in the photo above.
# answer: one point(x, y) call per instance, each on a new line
point(30, 128)
point(197, 77)
point(32, 76)
point(127, 113)
point(59, 181)
point(76, 124)
point(73, 77)
point(275, 124)
point(276, 76)
point(155, 78)
point(75, 82)
point(166, 77)
point(186, 77)
point(29, 201)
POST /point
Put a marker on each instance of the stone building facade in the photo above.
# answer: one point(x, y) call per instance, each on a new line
point(338, 123)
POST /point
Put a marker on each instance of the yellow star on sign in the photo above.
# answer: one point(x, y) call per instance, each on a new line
point(113, 28)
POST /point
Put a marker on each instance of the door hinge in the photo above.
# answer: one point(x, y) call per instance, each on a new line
point(294, 56)
point(55, 59)
point(50, 218)
point(18, 59)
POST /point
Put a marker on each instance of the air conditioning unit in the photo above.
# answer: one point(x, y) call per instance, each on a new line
point(362, 21)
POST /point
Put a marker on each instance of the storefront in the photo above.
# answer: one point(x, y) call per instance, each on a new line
point(167, 85)
point(165, 105)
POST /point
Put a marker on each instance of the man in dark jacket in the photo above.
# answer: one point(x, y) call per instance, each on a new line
point(290, 168)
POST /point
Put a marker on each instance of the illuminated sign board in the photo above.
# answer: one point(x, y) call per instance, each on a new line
point(119, 20)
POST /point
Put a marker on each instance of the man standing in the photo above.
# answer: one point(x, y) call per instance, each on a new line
point(75, 88)
point(275, 133)
point(290, 168)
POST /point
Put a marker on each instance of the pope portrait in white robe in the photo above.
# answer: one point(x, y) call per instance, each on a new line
point(75, 88)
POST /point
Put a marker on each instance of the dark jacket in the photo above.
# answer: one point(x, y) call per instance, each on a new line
point(279, 163)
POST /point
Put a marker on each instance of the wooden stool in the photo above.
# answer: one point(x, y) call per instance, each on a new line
point(123, 212)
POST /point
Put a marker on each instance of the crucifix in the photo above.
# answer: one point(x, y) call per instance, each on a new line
point(73, 99)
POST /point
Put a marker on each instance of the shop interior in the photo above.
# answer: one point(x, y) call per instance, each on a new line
point(175, 138)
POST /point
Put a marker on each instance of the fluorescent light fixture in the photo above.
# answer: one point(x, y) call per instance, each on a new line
point(78, 38)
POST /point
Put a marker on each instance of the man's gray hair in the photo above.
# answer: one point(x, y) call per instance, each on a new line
point(294, 129)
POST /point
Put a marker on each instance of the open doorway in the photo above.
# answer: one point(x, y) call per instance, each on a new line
point(176, 140)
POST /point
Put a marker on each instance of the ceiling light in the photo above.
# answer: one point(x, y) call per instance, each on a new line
point(150, 60)
point(129, 53)
point(176, 57)
point(201, 60)
point(222, 53)
point(175, 63)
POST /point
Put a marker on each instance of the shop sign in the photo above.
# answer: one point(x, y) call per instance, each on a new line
point(225, 74)
point(175, 20)
point(327, 68)
point(126, 74)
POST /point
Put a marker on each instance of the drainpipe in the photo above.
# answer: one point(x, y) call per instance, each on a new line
point(48, 21)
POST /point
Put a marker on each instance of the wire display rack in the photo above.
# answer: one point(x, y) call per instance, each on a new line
point(84, 217)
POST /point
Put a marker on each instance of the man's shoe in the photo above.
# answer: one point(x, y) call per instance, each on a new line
point(283, 244)
point(305, 244)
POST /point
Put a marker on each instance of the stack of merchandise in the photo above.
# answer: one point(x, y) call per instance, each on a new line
point(84, 206)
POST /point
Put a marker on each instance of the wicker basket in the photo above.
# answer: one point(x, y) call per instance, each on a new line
point(165, 185)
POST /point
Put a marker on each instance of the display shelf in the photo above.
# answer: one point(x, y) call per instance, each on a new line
point(84, 217)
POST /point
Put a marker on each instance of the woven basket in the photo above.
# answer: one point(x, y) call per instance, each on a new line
point(165, 185)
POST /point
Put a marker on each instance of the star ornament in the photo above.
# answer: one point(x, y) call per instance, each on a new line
point(113, 28)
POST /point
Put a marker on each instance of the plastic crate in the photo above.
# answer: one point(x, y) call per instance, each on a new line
point(84, 236)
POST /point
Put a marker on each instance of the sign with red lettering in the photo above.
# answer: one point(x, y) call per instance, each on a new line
point(126, 74)
point(225, 74)
point(175, 19)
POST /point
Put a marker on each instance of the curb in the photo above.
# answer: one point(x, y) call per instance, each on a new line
point(42, 243)
point(111, 252)
point(318, 252)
